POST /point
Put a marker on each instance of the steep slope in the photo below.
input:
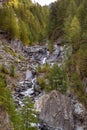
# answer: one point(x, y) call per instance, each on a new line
point(24, 20)
point(52, 75)
point(4, 120)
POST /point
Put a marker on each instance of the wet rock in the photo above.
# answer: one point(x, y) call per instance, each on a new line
point(79, 110)
point(29, 75)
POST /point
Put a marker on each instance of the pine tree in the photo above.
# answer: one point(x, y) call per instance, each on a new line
point(71, 9)
point(24, 33)
point(28, 114)
point(75, 33)
point(82, 15)
point(67, 26)
point(13, 27)
point(4, 14)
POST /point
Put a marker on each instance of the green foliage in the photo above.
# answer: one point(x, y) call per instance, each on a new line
point(50, 46)
point(43, 69)
point(76, 83)
point(54, 78)
point(57, 79)
point(28, 115)
point(77, 88)
point(75, 33)
point(3, 69)
point(57, 15)
point(7, 104)
point(24, 20)
point(62, 13)
point(81, 60)
point(13, 29)
point(42, 83)
point(12, 70)
point(76, 68)
point(9, 50)
point(72, 8)
point(21, 57)
point(1, 57)
point(24, 33)
point(82, 15)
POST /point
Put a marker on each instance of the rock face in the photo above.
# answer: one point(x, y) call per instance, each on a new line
point(4, 120)
point(57, 113)
point(61, 113)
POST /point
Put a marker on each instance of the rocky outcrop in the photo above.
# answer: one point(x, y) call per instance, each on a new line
point(4, 120)
point(60, 112)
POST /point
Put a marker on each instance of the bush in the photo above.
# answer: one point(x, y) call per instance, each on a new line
point(9, 50)
point(43, 69)
point(1, 57)
point(50, 46)
point(12, 70)
point(41, 82)
point(20, 57)
point(4, 69)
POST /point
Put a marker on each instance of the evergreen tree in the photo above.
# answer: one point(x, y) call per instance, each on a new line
point(82, 15)
point(13, 27)
point(28, 115)
point(71, 9)
point(57, 79)
point(24, 33)
point(67, 26)
point(75, 33)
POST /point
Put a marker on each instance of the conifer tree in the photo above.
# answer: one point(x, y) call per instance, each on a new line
point(71, 9)
point(13, 27)
point(75, 33)
point(24, 33)
point(28, 114)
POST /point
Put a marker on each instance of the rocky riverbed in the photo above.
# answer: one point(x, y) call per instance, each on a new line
point(38, 55)
point(56, 111)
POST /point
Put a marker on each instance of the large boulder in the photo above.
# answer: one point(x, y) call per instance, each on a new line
point(59, 112)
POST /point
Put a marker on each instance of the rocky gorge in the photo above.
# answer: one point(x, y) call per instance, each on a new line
point(43, 65)
point(56, 111)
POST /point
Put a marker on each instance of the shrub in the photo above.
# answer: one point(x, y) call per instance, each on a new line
point(1, 57)
point(41, 82)
point(43, 69)
point(20, 57)
point(50, 46)
point(4, 69)
point(12, 70)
